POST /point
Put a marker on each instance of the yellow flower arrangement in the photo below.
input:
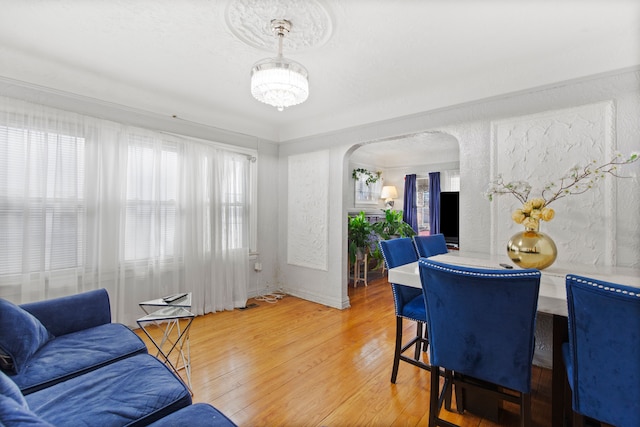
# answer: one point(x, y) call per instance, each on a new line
point(579, 180)
point(531, 212)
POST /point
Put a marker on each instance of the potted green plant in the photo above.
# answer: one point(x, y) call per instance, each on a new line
point(360, 236)
point(392, 226)
point(372, 177)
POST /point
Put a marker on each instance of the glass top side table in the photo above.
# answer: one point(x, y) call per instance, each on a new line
point(160, 302)
point(167, 326)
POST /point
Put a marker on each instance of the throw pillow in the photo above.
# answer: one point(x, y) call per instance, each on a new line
point(21, 334)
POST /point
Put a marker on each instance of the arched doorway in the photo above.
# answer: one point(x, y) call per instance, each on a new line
point(421, 153)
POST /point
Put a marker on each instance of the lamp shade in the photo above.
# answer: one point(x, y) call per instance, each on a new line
point(389, 192)
point(279, 82)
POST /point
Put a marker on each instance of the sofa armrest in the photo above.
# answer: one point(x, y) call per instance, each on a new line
point(72, 313)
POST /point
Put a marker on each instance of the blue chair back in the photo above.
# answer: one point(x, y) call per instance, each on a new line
point(398, 252)
point(430, 245)
point(603, 355)
point(481, 322)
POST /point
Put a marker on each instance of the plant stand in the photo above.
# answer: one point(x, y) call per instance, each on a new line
point(360, 269)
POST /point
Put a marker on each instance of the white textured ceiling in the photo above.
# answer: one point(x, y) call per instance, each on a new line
point(381, 59)
point(410, 150)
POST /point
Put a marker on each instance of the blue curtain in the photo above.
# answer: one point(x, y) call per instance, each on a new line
point(410, 210)
point(434, 202)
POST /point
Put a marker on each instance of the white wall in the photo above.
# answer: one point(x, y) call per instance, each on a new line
point(267, 222)
point(316, 284)
point(471, 125)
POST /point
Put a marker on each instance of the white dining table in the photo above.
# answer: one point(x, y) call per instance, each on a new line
point(552, 299)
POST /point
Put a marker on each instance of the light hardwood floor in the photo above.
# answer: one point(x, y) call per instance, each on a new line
point(297, 363)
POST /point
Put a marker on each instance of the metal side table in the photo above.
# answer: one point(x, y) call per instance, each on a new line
point(173, 320)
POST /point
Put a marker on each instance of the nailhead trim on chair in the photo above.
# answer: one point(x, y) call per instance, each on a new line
point(393, 289)
point(606, 288)
point(384, 257)
point(478, 274)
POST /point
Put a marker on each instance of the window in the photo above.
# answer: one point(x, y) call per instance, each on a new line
point(422, 203)
point(41, 209)
point(449, 181)
point(235, 203)
point(151, 201)
point(87, 203)
point(43, 212)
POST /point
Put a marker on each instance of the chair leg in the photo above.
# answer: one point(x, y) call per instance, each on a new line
point(525, 409)
point(449, 391)
point(396, 356)
point(426, 340)
point(437, 397)
point(577, 420)
point(567, 412)
point(434, 394)
point(419, 342)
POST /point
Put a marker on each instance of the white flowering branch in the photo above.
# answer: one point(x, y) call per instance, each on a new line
point(520, 189)
point(579, 180)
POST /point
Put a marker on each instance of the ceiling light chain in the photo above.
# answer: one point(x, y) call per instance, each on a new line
point(279, 81)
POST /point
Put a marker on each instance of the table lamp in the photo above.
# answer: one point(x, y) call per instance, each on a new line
point(389, 193)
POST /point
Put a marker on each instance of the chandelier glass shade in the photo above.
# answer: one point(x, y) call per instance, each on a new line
point(279, 81)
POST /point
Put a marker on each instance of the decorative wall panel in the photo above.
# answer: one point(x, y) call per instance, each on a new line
point(541, 149)
point(308, 210)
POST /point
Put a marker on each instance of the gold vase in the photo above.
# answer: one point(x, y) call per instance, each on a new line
point(531, 248)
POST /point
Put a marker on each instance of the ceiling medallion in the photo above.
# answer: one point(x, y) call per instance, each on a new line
point(249, 21)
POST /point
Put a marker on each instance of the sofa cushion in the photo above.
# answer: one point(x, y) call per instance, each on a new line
point(13, 414)
point(197, 415)
point(14, 410)
point(21, 334)
point(134, 391)
point(73, 354)
point(10, 390)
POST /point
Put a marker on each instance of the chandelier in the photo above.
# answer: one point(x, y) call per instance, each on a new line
point(279, 81)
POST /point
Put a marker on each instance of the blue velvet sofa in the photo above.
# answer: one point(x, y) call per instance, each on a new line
point(63, 362)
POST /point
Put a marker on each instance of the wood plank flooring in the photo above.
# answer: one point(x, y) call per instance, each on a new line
point(297, 363)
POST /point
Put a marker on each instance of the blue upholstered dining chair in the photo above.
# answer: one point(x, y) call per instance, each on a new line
point(409, 303)
point(602, 356)
point(430, 245)
point(481, 326)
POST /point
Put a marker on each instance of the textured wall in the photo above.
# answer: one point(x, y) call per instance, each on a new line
point(542, 148)
point(471, 125)
point(308, 210)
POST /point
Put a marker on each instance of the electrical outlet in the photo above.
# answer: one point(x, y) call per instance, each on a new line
point(257, 266)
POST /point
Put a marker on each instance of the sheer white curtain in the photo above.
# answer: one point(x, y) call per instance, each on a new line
point(216, 240)
point(87, 203)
